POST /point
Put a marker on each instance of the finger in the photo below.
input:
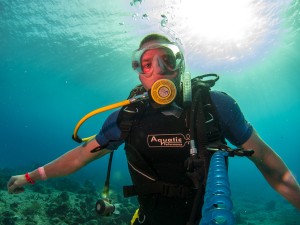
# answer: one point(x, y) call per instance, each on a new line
point(13, 187)
point(15, 190)
point(18, 190)
point(11, 182)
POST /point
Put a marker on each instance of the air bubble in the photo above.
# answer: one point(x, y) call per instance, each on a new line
point(164, 20)
point(145, 16)
point(135, 2)
point(134, 16)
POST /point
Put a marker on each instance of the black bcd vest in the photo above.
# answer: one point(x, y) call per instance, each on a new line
point(158, 146)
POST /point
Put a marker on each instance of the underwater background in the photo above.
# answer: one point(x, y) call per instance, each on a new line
point(60, 60)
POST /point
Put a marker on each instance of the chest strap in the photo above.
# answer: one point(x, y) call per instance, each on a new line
point(162, 188)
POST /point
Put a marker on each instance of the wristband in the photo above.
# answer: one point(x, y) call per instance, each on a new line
point(29, 180)
point(42, 173)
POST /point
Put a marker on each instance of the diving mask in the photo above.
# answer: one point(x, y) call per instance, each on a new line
point(168, 56)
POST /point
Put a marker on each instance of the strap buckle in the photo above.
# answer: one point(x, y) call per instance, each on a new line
point(231, 152)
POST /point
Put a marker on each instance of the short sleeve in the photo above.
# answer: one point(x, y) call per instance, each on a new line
point(234, 127)
point(110, 134)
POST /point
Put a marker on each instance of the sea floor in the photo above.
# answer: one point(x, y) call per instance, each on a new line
point(64, 202)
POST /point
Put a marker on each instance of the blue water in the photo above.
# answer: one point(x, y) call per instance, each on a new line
point(61, 59)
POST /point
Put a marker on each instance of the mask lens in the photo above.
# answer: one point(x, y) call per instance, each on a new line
point(135, 65)
point(168, 54)
point(169, 60)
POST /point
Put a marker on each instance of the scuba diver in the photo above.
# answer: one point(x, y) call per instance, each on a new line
point(168, 139)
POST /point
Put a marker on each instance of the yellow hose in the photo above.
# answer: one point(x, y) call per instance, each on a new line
point(92, 113)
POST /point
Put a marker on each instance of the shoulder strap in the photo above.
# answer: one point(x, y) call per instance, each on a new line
point(129, 113)
point(207, 123)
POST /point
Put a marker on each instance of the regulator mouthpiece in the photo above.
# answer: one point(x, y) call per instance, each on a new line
point(163, 92)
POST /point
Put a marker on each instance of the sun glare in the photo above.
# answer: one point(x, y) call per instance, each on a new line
point(216, 32)
point(219, 20)
point(222, 32)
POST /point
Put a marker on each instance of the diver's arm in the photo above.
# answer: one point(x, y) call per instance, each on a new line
point(71, 161)
point(62, 166)
point(273, 169)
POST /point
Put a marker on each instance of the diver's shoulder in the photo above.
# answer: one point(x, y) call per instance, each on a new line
point(218, 96)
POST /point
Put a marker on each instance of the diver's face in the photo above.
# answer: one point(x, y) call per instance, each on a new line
point(154, 64)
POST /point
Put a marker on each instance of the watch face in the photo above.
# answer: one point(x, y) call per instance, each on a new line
point(164, 92)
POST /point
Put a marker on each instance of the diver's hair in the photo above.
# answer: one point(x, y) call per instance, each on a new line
point(154, 37)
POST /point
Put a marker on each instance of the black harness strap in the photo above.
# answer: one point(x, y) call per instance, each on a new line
point(130, 113)
point(158, 187)
point(105, 191)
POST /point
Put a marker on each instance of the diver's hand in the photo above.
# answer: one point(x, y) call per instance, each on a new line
point(16, 183)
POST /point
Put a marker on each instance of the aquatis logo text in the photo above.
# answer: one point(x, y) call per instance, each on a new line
point(167, 140)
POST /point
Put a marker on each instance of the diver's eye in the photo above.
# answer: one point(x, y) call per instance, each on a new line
point(146, 67)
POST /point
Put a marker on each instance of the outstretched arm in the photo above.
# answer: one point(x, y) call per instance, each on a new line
point(62, 166)
point(273, 169)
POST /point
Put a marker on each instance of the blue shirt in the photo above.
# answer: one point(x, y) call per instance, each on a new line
point(233, 124)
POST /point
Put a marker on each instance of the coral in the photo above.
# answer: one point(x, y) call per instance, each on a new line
point(92, 222)
point(7, 218)
point(59, 201)
point(57, 210)
point(14, 206)
point(55, 220)
point(31, 210)
point(64, 196)
point(39, 188)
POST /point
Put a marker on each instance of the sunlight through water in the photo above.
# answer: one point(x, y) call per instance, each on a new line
point(220, 34)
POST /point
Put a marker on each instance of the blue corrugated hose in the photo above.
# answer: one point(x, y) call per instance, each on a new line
point(217, 207)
